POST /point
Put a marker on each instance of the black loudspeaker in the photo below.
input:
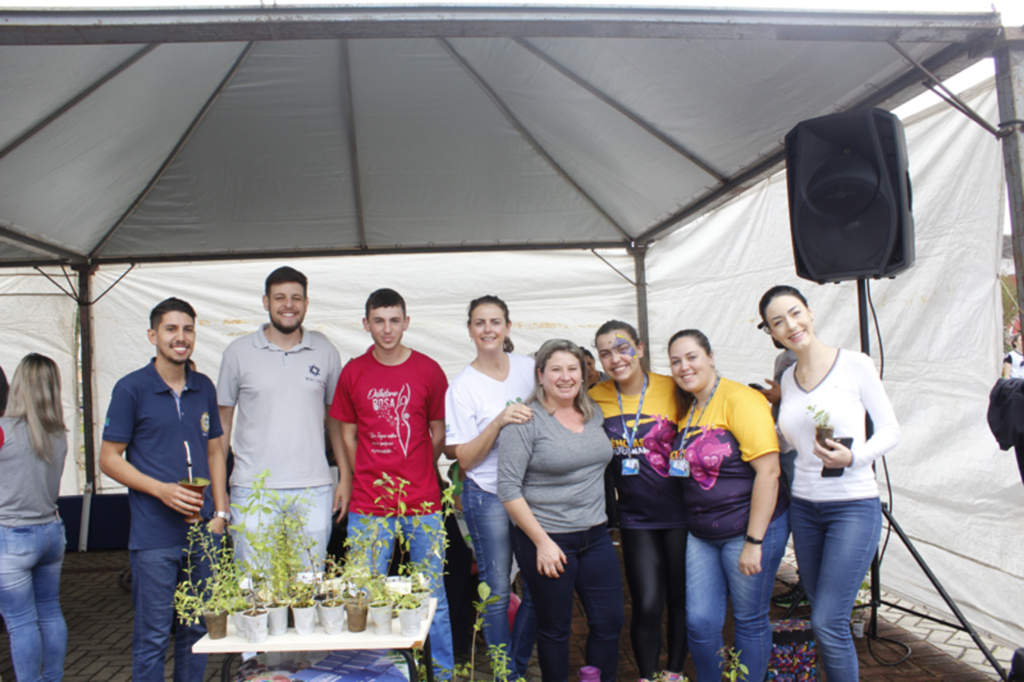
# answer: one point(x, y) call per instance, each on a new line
point(849, 196)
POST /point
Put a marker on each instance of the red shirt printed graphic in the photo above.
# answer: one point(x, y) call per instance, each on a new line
point(392, 407)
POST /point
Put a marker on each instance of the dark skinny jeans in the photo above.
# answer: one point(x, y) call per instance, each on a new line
point(593, 573)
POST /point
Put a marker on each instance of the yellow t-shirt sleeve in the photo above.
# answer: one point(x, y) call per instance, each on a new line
point(750, 421)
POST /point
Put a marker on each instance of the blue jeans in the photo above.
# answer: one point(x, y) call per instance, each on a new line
point(713, 576)
point(835, 543)
point(419, 549)
point(593, 573)
point(30, 562)
point(490, 528)
point(316, 512)
point(155, 575)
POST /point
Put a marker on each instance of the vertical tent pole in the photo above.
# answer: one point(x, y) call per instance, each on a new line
point(1010, 89)
point(639, 253)
point(86, 336)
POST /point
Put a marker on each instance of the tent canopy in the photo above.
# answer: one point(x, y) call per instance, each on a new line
point(145, 135)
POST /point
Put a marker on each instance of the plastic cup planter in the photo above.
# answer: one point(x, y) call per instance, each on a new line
point(196, 485)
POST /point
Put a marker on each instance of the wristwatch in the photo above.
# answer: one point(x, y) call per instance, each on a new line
point(222, 515)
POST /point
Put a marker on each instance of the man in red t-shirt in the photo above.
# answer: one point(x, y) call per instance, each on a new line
point(390, 402)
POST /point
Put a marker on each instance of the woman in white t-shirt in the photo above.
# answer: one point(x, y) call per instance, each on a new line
point(834, 512)
point(484, 398)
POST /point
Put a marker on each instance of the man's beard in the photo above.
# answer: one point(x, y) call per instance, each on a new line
point(285, 330)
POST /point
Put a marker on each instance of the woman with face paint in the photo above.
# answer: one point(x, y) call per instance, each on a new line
point(835, 515)
point(640, 415)
point(481, 401)
point(736, 508)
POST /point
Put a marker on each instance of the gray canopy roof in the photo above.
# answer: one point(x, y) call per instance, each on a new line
point(130, 136)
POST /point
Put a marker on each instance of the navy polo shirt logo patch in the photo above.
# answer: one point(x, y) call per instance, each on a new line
point(204, 421)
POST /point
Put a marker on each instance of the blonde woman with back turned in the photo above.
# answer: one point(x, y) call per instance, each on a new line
point(32, 452)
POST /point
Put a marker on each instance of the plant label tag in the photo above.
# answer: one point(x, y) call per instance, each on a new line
point(679, 468)
point(630, 466)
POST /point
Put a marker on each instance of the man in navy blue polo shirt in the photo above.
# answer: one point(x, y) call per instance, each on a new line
point(163, 415)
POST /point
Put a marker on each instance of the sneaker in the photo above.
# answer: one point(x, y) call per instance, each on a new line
point(787, 599)
point(672, 677)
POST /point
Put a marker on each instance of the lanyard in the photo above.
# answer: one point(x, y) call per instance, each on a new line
point(630, 435)
point(692, 409)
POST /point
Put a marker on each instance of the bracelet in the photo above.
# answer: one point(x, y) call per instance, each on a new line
point(753, 541)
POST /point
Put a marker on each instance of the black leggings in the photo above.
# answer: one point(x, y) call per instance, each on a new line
point(656, 573)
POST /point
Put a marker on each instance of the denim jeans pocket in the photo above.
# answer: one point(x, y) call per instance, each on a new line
point(18, 541)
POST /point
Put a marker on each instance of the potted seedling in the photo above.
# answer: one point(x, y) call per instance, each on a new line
point(304, 607)
point(857, 614)
point(216, 596)
point(331, 605)
point(380, 605)
point(408, 607)
point(822, 425)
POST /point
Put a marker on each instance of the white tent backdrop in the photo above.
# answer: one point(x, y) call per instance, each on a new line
point(954, 492)
point(39, 318)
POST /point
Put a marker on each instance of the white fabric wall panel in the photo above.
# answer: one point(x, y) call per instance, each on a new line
point(40, 319)
point(564, 295)
point(954, 492)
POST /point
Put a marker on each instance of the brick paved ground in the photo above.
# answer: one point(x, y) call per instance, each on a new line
point(99, 616)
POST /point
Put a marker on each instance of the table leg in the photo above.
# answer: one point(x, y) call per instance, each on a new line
point(411, 661)
point(225, 668)
point(428, 659)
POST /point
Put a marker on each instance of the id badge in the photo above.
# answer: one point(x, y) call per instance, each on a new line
point(630, 466)
point(679, 468)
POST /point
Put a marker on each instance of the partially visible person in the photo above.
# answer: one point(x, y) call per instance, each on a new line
point(3, 391)
point(594, 377)
point(551, 481)
point(390, 405)
point(835, 514)
point(736, 508)
point(281, 380)
point(163, 416)
point(481, 401)
point(640, 415)
point(33, 447)
point(787, 458)
point(1013, 363)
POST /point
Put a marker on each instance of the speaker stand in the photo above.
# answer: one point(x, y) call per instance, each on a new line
point(876, 563)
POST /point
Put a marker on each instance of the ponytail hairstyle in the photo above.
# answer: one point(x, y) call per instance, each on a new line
point(685, 399)
point(490, 299)
point(35, 399)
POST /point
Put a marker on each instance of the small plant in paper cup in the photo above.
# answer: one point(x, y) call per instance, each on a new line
point(823, 428)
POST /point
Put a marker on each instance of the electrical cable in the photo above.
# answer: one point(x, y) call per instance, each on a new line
point(881, 376)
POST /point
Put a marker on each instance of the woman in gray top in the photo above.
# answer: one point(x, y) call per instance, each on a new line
point(32, 452)
point(551, 481)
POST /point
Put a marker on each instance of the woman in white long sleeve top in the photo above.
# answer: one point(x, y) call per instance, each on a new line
point(835, 514)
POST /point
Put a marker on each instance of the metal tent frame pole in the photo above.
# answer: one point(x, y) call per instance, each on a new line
point(1010, 90)
point(88, 422)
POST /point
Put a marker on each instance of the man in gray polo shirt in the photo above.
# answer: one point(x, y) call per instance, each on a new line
point(281, 378)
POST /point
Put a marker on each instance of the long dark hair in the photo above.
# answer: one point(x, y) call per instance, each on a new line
point(774, 293)
point(491, 299)
point(685, 399)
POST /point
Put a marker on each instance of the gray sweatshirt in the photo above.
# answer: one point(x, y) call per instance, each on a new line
point(31, 485)
point(559, 473)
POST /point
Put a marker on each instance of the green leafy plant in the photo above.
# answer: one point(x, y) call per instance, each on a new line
point(732, 667)
point(821, 418)
point(221, 592)
point(500, 662)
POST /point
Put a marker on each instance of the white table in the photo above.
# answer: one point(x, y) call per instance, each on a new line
point(321, 641)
